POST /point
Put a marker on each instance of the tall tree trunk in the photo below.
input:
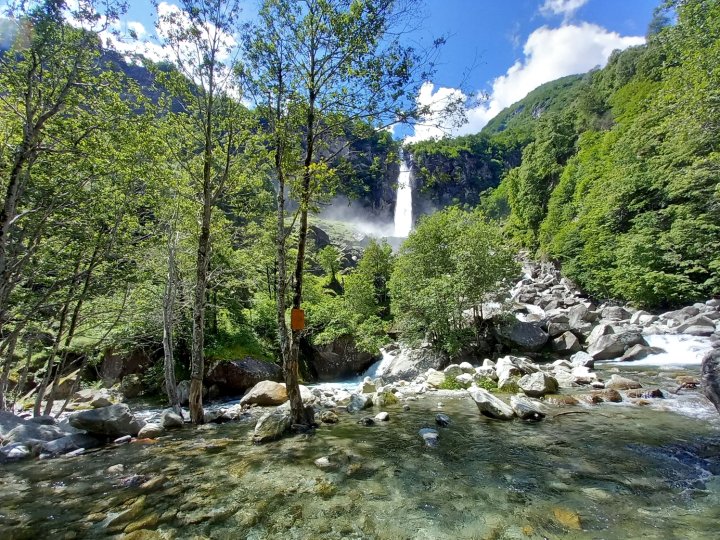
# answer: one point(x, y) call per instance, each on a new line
point(168, 312)
point(6, 372)
point(299, 415)
point(23, 375)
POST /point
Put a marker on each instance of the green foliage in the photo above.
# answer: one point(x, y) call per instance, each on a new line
point(487, 383)
point(451, 383)
point(451, 263)
point(631, 209)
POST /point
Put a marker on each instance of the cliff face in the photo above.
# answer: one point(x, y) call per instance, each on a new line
point(458, 171)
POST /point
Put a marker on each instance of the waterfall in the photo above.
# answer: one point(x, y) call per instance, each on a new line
point(403, 201)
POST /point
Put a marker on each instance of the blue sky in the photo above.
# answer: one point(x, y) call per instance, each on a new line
point(499, 49)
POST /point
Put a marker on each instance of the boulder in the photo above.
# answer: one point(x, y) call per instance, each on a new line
point(338, 360)
point(697, 326)
point(14, 452)
point(490, 405)
point(599, 331)
point(382, 417)
point(567, 343)
point(442, 420)
point(582, 359)
point(453, 370)
point(467, 367)
point(265, 394)
point(272, 425)
point(522, 335)
point(30, 432)
point(557, 329)
point(367, 386)
point(609, 394)
point(407, 364)
point(9, 421)
point(236, 377)
point(614, 345)
point(169, 419)
point(117, 365)
point(435, 378)
point(527, 409)
point(151, 431)
point(638, 352)
point(618, 382)
point(131, 386)
point(711, 377)
point(615, 313)
point(359, 402)
point(538, 384)
point(329, 417)
point(381, 399)
point(577, 315)
point(70, 443)
point(44, 419)
point(183, 392)
point(465, 380)
point(113, 421)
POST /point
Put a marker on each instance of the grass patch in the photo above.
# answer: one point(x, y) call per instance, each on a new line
point(451, 383)
point(236, 346)
point(487, 384)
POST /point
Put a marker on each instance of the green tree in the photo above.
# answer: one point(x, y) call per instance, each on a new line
point(449, 265)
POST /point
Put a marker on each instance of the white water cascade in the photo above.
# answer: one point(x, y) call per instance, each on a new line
point(403, 202)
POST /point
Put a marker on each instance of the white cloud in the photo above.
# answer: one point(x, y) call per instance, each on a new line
point(561, 7)
point(548, 54)
point(434, 124)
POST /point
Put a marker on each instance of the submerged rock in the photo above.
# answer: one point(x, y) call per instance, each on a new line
point(113, 421)
point(32, 433)
point(617, 382)
point(442, 420)
point(490, 405)
point(429, 436)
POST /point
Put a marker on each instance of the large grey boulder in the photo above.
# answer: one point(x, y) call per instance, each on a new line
point(599, 331)
point(567, 343)
point(112, 421)
point(711, 377)
point(70, 443)
point(131, 386)
point(338, 359)
point(169, 419)
point(31, 432)
point(523, 336)
point(409, 363)
point(9, 421)
point(234, 378)
point(699, 325)
point(538, 384)
point(14, 452)
point(615, 313)
point(490, 405)
point(614, 345)
point(272, 425)
point(359, 402)
point(583, 359)
point(265, 394)
point(526, 408)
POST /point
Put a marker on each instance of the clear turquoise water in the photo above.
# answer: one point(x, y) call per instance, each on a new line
point(620, 471)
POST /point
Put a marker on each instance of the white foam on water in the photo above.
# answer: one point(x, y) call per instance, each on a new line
point(679, 350)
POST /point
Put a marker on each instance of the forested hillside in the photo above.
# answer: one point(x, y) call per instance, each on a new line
point(618, 179)
point(623, 188)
